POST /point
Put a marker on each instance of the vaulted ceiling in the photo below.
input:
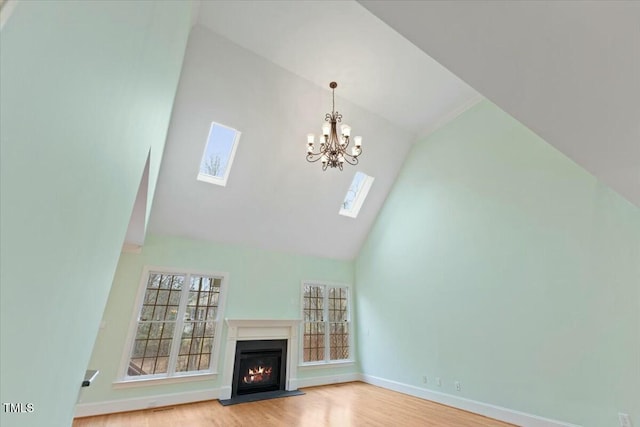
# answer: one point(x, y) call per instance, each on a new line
point(568, 70)
point(263, 68)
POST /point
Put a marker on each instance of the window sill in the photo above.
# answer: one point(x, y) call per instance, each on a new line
point(144, 382)
point(332, 364)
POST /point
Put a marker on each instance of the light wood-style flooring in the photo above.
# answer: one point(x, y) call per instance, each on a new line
point(349, 404)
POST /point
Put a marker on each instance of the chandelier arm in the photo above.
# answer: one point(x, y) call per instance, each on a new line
point(351, 155)
point(351, 159)
point(310, 157)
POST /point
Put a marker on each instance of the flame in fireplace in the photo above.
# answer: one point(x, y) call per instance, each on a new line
point(257, 374)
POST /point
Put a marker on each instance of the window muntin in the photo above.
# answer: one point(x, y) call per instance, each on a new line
point(198, 331)
point(218, 155)
point(326, 326)
point(177, 325)
point(314, 327)
point(155, 329)
point(338, 323)
point(357, 192)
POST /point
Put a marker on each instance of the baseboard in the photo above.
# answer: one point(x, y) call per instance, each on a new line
point(488, 410)
point(324, 380)
point(135, 404)
point(225, 392)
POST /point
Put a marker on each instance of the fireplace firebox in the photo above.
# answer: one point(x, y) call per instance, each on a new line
point(260, 366)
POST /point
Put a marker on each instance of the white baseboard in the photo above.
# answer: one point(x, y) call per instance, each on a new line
point(324, 380)
point(488, 410)
point(135, 404)
point(138, 403)
point(225, 392)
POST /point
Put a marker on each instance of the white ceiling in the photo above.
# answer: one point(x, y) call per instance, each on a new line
point(375, 67)
point(264, 68)
point(568, 70)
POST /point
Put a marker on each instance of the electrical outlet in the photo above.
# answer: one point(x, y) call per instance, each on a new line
point(625, 420)
point(458, 386)
point(424, 379)
point(438, 382)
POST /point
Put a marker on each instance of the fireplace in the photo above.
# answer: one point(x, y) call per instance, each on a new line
point(240, 330)
point(259, 366)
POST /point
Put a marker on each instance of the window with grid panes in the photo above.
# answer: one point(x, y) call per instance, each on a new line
point(176, 326)
point(326, 323)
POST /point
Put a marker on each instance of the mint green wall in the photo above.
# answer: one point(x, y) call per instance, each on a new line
point(87, 91)
point(262, 285)
point(499, 263)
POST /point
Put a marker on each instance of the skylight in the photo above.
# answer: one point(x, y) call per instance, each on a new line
point(218, 154)
point(356, 194)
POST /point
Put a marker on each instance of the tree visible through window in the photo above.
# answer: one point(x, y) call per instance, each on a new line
point(176, 326)
point(212, 165)
point(326, 323)
point(218, 155)
point(356, 194)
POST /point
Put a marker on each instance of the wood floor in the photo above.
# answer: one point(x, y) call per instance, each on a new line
point(350, 404)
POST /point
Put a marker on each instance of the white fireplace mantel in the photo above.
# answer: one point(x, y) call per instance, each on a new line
point(260, 329)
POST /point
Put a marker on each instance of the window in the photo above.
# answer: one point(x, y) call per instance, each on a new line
point(326, 323)
point(177, 325)
point(218, 154)
point(358, 190)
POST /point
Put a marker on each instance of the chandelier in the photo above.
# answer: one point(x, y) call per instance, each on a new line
point(333, 148)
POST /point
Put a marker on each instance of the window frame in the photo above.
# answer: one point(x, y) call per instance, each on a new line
point(124, 380)
point(327, 336)
point(360, 196)
point(212, 179)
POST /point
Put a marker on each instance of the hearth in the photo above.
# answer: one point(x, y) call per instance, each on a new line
point(267, 330)
point(259, 367)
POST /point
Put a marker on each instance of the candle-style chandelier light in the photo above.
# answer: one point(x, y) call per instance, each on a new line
point(333, 148)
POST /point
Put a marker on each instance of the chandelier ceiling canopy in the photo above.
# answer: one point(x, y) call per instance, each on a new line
point(333, 151)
